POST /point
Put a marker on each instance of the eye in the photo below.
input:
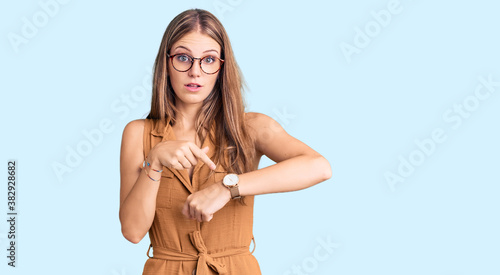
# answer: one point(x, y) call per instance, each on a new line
point(183, 58)
point(208, 59)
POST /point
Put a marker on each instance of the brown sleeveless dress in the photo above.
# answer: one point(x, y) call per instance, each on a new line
point(183, 246)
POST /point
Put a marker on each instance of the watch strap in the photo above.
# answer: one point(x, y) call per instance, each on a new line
point(235, 192)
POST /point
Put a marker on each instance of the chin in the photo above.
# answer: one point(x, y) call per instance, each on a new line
point(191, 98)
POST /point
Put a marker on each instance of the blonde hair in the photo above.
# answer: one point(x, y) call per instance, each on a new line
point(225, 104)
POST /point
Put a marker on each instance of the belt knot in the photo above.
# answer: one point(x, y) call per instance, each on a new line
point(205, 260)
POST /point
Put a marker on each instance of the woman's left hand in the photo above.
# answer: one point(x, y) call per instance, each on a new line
point(202, 205)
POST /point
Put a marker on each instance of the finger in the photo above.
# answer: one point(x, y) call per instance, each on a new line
point(207, 217)
point(199, 153)
point(199, 216)
point(190, 157)
point(188, 210)
point(192, 212)
point(185, 162)
point(177, 165)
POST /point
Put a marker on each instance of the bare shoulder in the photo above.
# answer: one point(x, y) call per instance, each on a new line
point(272, 140)
point(134, 128)
point(133, 133)
point(265, 131)
point(259, 121)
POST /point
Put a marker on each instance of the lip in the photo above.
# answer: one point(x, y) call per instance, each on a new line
point(193, 89)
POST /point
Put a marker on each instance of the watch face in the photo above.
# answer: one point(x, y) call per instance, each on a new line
point(231, 179)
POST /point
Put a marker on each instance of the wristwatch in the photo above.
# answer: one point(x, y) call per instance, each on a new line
point(231, 182)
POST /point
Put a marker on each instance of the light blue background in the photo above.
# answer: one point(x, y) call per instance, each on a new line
point(361, 115)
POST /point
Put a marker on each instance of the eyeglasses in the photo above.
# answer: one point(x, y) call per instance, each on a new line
point(208, 64)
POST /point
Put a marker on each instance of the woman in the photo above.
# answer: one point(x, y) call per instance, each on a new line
point(189, 170)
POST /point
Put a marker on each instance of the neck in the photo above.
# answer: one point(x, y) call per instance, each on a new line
point(186, 117)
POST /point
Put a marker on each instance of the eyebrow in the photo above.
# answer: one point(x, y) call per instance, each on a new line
point(190, 50)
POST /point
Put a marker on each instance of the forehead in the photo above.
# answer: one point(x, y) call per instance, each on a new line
point(196, 43)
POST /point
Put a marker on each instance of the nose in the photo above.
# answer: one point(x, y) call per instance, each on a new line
point(195, 69)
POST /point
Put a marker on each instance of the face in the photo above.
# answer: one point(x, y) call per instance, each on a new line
point(194, 85)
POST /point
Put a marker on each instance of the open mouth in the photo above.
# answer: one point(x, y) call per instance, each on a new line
point(193, 85)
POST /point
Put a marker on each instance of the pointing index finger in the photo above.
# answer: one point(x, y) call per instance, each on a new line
point(202, 156)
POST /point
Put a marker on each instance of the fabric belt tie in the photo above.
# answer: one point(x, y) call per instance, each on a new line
point(205, 260)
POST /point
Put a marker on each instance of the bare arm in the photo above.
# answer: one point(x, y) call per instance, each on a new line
point(137, 191)
point(297, 165)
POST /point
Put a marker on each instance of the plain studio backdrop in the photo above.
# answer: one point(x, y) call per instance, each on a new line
point(402, 97)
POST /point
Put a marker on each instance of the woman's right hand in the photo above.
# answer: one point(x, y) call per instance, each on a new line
point(178, 154)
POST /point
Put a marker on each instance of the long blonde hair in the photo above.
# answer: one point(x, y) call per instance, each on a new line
point(224, 105)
